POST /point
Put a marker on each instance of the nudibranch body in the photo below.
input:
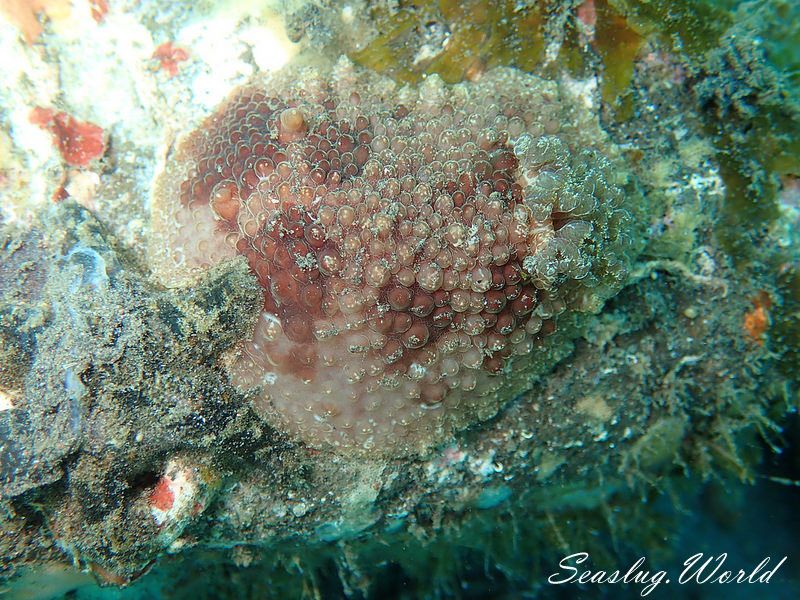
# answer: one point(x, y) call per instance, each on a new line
point(411, 242)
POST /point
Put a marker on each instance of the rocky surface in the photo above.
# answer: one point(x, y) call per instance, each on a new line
point(134, 431)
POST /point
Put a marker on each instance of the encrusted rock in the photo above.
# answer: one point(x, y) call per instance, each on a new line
point(107, 382)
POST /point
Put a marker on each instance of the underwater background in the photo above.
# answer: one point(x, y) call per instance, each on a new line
point(621, 376)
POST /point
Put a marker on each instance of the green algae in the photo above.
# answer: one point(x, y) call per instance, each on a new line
point(693, 26)
point(481, 34)
point(618, 45)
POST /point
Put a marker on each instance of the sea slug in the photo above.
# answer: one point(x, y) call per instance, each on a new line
point(410, 241)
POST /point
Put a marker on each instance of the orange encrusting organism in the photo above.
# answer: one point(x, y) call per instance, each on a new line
point(169, 56)
point(79, 142)
point(756, 320)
